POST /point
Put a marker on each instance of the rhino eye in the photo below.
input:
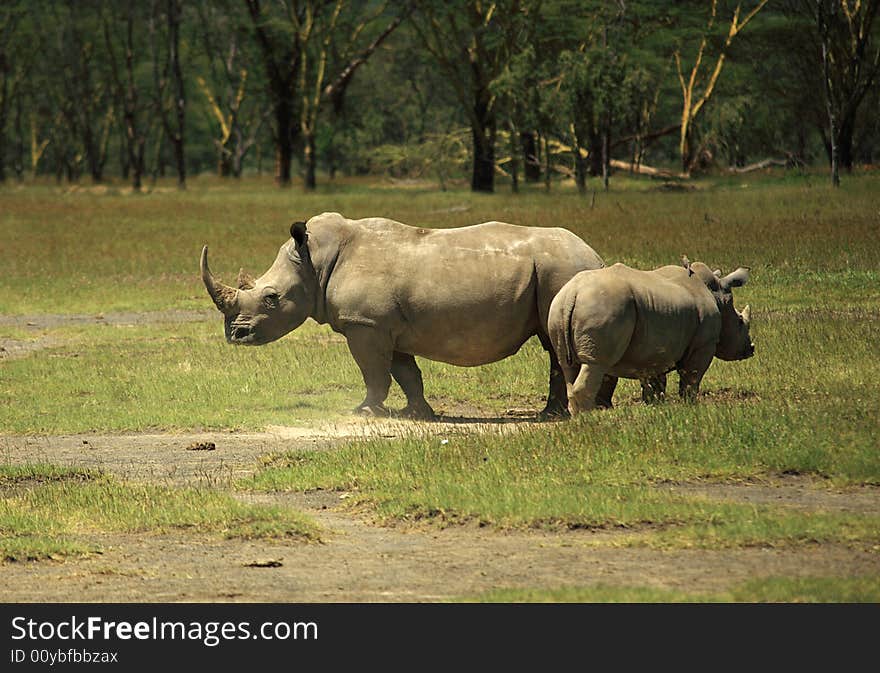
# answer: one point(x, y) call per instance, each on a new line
point(272, 300)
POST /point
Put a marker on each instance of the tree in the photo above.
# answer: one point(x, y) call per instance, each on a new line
point(694, 98)
point(465, 38)
point(119, 36)
point(281, 47)
point(850, 64)
point(231, 87)
point(345, 18)
point(80, 92)
point(11, 77)
point(168, 79)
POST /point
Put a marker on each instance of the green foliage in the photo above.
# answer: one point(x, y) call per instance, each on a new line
point(540, 67)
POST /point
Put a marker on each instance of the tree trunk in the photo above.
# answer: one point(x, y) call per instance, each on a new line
point(310, 160)
point(531, 163)
point(595, 153)
point(124, 158)
point(284, 149)
point(224, 162)
point(4, 98)
point(483, 134)
point(514, 160)
point(237, 160)
point(179, 161)
point(483, 173)
point(606, 154)
point(834, 132)
point(18, 160)
point(846, 131)
point(137, 164)
point(580, 167)
point(685, 143)
point(547, 165)
point(177, 138)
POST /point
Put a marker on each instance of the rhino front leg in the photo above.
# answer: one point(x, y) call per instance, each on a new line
point(372, 352)
point(691, 372)
point(409, 377)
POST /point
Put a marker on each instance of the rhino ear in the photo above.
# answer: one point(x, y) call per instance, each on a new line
point(686, 263)
point(735, 278)
point(298, 233)
point(245, 280)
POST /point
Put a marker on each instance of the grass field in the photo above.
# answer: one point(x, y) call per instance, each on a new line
point(806, 404)
point(46, 512)
point(772, 590)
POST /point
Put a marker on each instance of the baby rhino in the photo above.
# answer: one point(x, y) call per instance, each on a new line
point(622, 322)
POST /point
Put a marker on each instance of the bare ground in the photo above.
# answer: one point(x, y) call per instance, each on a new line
point(359, 561)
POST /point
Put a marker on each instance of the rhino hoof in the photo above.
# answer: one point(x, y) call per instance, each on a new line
point(374, 411)
point(553, 412)
point(418, 412)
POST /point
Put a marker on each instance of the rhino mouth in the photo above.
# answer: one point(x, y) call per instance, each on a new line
point(240, 334)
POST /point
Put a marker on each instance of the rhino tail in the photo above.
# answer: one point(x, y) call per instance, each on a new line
point(569, 355)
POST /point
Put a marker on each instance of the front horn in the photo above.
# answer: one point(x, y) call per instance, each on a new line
point(224, 296)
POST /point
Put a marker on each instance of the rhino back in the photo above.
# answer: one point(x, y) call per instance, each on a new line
point(466, 296)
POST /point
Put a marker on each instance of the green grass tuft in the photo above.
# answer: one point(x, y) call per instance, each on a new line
point(764, 590)
point(42, 518)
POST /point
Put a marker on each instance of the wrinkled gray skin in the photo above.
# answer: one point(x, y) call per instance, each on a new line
point(466, 296)
point(622, 322)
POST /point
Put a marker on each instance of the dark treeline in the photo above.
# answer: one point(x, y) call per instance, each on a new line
point(529, 90)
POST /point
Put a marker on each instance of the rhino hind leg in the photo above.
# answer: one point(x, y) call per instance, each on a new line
point(654, 389)
point(372, 354)
point(557, 399)
point(583, 392)
point(409, 377)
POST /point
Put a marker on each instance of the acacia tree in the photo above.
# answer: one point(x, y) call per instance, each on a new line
point(11, 77)
point(850, 64)
point(231, 87)
point(239, 129)
point(517, 86)
point(694, 94)
point(464, 36)
point(281, 48)
point(119, 36)
point(519, 119)
point(323, 30)
point(170, 94)
point(81, 93)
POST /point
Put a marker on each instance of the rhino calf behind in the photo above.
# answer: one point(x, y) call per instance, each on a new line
point(623, 322)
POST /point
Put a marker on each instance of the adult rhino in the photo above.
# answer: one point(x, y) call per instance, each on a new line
point(467, 296)
point(623, 322)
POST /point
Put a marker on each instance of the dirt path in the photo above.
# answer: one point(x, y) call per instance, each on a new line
point(171, 457)
point(359, 561)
